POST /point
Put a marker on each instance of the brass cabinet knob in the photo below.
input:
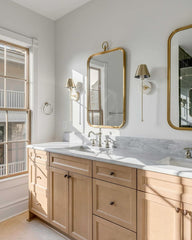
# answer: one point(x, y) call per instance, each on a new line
point(177, 210)
point(112, 203)
point(65, 175)
point(112, 173)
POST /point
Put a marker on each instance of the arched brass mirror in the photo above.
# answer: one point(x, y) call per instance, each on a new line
point(179, 92)
point(106, 88)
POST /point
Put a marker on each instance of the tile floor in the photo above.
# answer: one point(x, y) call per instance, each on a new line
point(17, 228)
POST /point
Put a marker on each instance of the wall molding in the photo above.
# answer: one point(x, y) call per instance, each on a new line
point(13, 182)
point(17, 38)
point(13, 208)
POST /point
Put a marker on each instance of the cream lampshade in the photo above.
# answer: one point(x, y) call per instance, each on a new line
point(142, 73)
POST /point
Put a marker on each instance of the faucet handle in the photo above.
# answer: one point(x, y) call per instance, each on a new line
point(188, 152)
point(107, 140)
point(92, 142)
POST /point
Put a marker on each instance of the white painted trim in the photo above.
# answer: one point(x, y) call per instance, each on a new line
point(14, 210)
point(10, 204)
point(17, 38)
point(12, 182)
point(14, 215)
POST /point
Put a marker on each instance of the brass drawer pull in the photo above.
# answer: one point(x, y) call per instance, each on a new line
point(177, 210)
point(112, 173)
point(38, 157)
point(112, 203)
point(38, 177)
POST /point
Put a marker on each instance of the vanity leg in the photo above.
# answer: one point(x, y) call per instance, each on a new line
point(30, 216)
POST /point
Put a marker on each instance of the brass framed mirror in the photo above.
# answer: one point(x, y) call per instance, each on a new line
point(106, 88)
point(179, 79)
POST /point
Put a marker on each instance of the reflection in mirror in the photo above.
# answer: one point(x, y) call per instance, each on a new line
point(180, 79)
point(106, 89)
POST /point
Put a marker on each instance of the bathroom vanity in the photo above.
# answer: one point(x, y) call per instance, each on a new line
point(87, 195)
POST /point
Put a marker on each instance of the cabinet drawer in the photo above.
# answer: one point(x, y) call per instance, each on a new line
point(38, 156)
point(73, 164)
point(115, 203)
point(104, 230)
point(160, 184)
point(124, 176)
point(39, 174)
point(39, 202)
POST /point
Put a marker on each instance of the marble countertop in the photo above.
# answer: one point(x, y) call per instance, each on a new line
point(131, 157)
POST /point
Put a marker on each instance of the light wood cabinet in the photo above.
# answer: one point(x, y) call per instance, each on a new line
point(59, 202)
point(73, 164)
point(71, 203)
point(158, 218)
point(38, 184)
point(80, 206)
point(72, 193)
point(105, 230)
point(121, 175)
point(115, 203)
point(187, 222)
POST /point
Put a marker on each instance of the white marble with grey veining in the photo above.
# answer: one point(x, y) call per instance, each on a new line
point(141, 153)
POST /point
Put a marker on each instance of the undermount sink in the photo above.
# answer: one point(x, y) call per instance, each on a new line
point(90, 149)
point(178, 162)
point(81, 148)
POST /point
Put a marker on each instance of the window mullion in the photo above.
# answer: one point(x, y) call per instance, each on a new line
point(6, 144)
point(5, 73)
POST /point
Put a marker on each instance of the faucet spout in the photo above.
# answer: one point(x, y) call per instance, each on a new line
point(96, 134)
point(91, 132)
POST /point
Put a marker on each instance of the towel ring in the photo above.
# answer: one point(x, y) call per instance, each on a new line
point(47, 108)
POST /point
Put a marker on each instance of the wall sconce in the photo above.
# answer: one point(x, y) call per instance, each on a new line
point(75, 90)
point(142, 73)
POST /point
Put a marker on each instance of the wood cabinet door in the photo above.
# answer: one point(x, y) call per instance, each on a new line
point(158, 218)
point(187, 222)
point(59, 199)
point(80, 206)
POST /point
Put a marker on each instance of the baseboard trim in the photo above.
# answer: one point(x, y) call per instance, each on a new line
point(13, 209)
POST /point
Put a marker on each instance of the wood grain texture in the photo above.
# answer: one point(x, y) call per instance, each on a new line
point(121, 175)
point(59, 202)
point(80, 206)
point(105, 230)
point(158, 218)
point(68, 163)
point(123, 209)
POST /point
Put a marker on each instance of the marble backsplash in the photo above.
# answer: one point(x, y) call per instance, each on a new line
point(152, 146)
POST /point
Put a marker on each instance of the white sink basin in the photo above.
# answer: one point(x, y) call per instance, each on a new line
point(81, 148)
point(90, 149)
point(178, 162)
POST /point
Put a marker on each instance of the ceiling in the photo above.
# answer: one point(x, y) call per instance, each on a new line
point(53, 9)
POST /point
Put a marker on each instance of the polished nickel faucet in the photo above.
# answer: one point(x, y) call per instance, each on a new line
point(96, 134)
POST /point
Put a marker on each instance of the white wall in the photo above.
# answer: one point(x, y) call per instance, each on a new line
point(20, 20)
point(13, 193)
point(142, 28)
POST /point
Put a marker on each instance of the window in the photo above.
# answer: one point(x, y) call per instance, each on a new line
point(14, 109)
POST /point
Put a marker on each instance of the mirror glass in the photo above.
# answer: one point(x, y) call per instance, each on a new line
point(106, 89)
point(180, 79)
